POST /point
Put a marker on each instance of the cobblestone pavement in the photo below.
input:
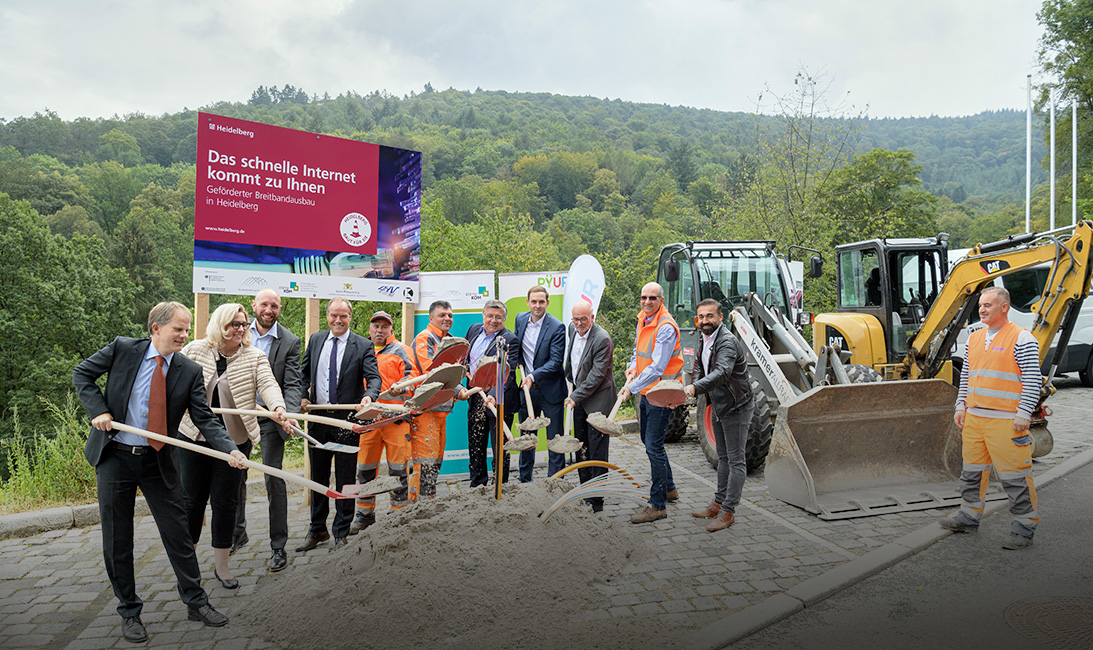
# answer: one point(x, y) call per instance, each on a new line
point(54, 592)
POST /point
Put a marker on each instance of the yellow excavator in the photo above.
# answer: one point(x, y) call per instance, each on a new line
point(890, 446)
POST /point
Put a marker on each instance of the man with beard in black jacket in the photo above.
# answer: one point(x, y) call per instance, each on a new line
point(721, 372)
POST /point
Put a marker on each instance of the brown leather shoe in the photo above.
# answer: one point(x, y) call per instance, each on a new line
point(311, 540)
point(647, 514)
point(709, 512)
point(672, 495)
point(723, 521)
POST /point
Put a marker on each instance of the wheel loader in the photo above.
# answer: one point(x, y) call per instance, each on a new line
point(891, 446)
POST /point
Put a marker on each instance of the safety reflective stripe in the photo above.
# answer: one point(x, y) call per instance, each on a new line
point(969, 467)
point(996, 374)
point(1031, 517)
point(1017, 477)
point(367, 466)
point(972, 511)
point(427, 461)
point(993, 392)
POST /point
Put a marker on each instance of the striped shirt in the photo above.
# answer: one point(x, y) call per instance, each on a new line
point(1027, 355)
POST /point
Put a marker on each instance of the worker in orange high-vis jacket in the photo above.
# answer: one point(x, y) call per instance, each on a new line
point(999, 391)
point(428, 430)
point(656, 357)
point(395, 365)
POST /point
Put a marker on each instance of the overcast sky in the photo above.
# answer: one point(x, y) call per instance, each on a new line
point(893, 59)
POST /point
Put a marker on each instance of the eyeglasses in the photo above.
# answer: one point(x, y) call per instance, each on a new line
point(238, 326)
point(580, 320)
point(652, 297)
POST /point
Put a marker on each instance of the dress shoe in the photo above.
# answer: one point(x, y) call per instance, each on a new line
point(673, 495)
point(1016, 542)
point(278, 561)
point(722, 521)
point(647, 514)
point(339, 543)
point(311, 540)
point(709, 512)
point(239, 542)
point(956, 525)
point(230, 583)
point(360, 523)
point(133, 630)
point(207, 615)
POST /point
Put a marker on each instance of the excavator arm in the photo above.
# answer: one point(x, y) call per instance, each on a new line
point(1067, 286)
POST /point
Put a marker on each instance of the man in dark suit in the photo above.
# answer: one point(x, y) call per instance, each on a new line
point(339, 368)
point(588, 368)
point(481, 423)
point(721, 372)
point(282, 348)
point(541, 339)
point(150, 387)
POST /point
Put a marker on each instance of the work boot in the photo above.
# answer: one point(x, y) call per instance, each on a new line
point(1016, 542)
point(672, 495)
point(709, 512)
point(360, 522)
point(957, 525)
point(722, 521)
point(312, 540)
point(647, 514)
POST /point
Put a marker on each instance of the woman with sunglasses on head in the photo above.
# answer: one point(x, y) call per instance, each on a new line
point(236, 376)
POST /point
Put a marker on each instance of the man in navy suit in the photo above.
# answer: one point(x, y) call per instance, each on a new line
point(541, 339)
point(125, 461)
point(481, 423)
point(339, 368)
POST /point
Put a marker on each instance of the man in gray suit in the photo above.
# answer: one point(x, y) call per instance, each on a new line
point(588, 370)
point(282, 347)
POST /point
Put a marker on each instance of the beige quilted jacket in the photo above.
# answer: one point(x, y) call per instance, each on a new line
point(248, 373)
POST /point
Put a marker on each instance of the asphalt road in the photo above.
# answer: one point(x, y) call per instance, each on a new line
point(966, 592)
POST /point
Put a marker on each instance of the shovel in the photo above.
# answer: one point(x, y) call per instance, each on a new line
point(565, 443)
point(523, 443)
point(250, 464)
point(452, 349)
point(668, 393)
point(607, 424)
point(329, 446)
point(532, 423)
point(378, 485)
point(484, 374)
point(447, 375)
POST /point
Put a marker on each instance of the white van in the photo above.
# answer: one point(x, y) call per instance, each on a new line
point(1025, 287)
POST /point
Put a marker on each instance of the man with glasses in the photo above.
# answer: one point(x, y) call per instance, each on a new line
point(656, 357)
point(588, 368)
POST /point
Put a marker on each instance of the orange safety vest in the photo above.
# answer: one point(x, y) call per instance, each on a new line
point(647, 338)
point(394, 366)
point(994, 378)
point(425, 344)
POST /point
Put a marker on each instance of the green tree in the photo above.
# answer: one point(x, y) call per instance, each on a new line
point(113, 188)
point(60, 303)
point(560, 176)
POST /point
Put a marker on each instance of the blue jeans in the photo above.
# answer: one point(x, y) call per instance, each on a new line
point(654, 426)
point(731, 435)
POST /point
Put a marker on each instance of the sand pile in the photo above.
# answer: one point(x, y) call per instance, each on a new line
point(463, 571)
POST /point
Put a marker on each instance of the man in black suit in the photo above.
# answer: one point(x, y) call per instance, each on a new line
point(150, 387)
point(282, 347)
point(541, 338)
point(339, 368)
point(721, 372)
point(588, 368)
point(481, 423)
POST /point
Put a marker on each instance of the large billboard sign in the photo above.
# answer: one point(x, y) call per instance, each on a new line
point(308, 214)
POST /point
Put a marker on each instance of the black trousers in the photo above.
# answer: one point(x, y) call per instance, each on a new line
point(273, 454)
point(117, 476)
point(345, 473)
point(595, 447)
point(206, 479)
point(482, 427)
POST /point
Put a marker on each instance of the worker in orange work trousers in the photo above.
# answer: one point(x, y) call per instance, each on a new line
point(999, 391)
point(395, 365)
point(428, 430)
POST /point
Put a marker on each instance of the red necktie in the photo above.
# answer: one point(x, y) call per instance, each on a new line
point(157, 404)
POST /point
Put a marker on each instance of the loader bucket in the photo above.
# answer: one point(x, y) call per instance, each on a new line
point(865, 449)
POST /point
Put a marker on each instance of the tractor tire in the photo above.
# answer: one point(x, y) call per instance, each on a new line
point(677, 422)
point(860, 374)
point(1086, 376)
point(759, 433)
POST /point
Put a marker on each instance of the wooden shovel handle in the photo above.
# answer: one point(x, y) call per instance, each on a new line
point(508, 434)
point(317, 419)
point(265, 469)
